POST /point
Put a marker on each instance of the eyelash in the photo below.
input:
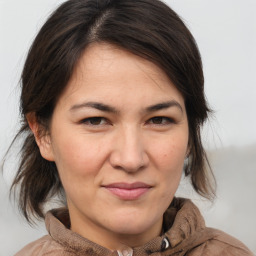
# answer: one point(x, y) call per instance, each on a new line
point(163, 121)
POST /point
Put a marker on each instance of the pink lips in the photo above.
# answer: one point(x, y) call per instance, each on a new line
point(127, 191)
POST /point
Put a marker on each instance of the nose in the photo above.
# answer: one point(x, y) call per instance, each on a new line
point(129, 152)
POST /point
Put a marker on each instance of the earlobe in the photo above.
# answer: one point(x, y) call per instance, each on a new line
point(43, 139)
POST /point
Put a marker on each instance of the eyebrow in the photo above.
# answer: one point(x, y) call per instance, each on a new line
point(164, 105)
point(110, 109)
point(96, 105)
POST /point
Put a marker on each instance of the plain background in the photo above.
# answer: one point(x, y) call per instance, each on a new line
point(225, 31)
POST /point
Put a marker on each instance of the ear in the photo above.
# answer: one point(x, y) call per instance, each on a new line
point(42, 138)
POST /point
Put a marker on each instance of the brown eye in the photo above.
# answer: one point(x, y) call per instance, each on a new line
point(157, 120)
point(161, 120)
point(94, 121)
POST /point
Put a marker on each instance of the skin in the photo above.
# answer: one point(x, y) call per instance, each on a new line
point(130, 135)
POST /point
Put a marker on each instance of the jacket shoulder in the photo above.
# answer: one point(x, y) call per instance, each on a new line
point(41, 247)
point(221, 244)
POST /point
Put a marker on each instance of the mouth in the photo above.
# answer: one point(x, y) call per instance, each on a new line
point(128, 191)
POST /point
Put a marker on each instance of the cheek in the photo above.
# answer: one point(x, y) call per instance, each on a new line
point(170, 153)
point(76, 156)
point(78, 164)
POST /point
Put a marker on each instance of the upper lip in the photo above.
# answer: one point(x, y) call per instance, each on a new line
point(124, 185)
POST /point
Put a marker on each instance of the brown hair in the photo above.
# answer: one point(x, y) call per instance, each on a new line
point(147, 28)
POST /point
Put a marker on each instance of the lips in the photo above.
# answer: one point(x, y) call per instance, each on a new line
point(128, 191)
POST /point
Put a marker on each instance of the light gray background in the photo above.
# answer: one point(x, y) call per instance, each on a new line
point(226, 34)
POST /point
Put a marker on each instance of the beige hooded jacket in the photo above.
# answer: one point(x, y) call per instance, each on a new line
point(184, 234)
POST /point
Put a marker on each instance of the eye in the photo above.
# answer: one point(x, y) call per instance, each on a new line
point(160, 120)
point(95, 121)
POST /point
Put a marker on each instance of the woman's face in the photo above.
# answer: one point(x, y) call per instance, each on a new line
point(119, 136)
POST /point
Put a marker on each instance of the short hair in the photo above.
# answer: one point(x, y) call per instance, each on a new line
point(147, 28)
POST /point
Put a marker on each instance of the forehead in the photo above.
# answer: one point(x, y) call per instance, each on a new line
point(105, 70)
point(102, 59)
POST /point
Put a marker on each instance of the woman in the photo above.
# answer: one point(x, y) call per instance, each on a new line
point(112, 103)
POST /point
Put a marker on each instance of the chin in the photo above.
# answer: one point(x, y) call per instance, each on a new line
point(133, 225)
point(128, 229)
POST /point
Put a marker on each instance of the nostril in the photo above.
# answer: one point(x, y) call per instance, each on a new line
point(128, 163)
point(129, 167)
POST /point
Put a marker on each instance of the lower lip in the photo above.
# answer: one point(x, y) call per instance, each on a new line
point(128, 194)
